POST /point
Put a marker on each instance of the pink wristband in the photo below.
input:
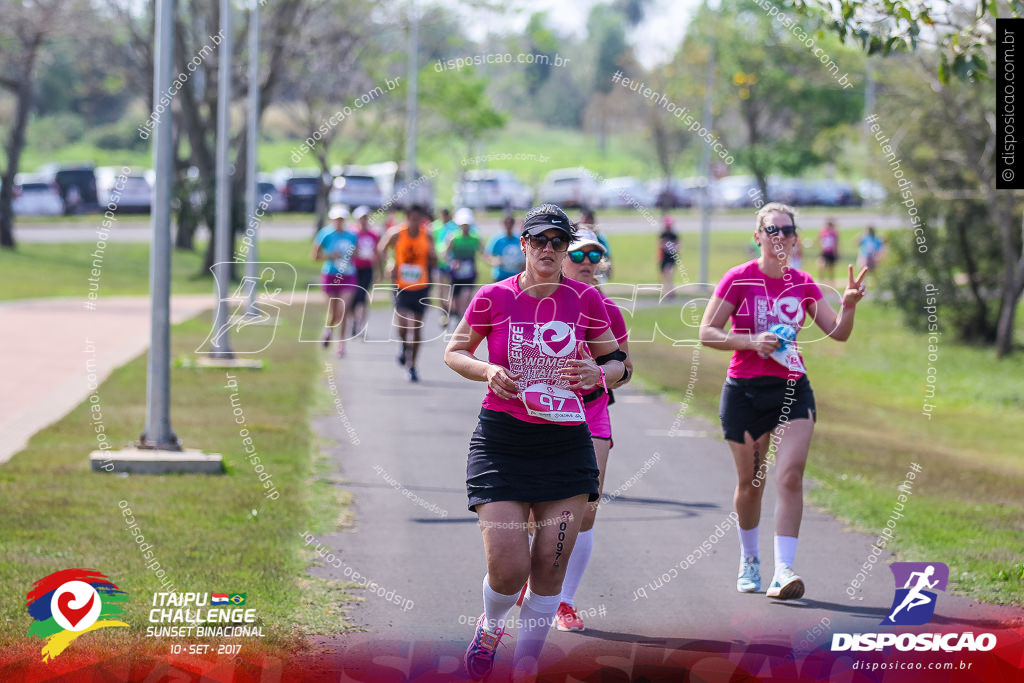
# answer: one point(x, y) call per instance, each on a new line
point(603, 383)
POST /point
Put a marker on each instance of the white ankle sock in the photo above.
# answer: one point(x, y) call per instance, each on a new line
point(496, 606)
point(535, 620)
point(785, 551)
point(577, 565)
point(748, 542)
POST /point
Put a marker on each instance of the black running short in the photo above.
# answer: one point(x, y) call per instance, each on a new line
point(510, 459)
point(757, 405)
point(411, 300)
point(364, 278)
point(829, 257)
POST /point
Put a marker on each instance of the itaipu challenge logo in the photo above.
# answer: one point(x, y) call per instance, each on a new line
point(70, 603)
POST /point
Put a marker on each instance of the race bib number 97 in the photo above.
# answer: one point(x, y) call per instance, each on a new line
point(552, 403)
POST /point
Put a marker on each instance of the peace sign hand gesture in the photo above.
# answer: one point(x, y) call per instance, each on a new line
point(855, 288)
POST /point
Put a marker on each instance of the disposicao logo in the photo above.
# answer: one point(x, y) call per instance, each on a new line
point(69, 603)
point(912, 605)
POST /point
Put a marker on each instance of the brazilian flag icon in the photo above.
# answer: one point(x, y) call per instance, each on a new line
point(237, 598)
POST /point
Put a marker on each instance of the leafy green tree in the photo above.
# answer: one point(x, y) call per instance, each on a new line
point(975, 248)
point(780, 103)
point(458, 106)
point(540, 40)
point(960, 33)
point(26, 29)
point(956, 43)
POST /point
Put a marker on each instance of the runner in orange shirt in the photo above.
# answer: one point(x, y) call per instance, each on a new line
point(415, 259)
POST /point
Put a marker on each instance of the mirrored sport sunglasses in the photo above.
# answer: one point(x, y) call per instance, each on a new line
point(578, 255)
point(786, 230)
point(558, 243)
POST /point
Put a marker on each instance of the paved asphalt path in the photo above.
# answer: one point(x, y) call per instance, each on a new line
point(417, 435)
point(288, 228)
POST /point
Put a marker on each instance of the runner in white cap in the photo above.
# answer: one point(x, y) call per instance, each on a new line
point(335, 246)
point(585, 253)
point(461, 250)
point(368, 266)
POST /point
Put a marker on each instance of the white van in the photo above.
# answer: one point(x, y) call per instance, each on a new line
point(571, 187)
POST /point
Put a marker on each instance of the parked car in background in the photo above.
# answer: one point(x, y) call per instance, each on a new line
point(36, 195)
point(871, 193)
point(833, 193)
point(299, 187)
point(792, 191)
point(133, 191)
point(624, 192)
point(265, 185)
point(492, 189)
point(77, 183)
point(356, 186)
point(398, 192)
point(675, 193)
point(736, 192)
point(570, 187)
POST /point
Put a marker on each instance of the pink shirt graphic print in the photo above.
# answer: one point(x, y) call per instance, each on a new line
point(536, 337)
point(761, 302)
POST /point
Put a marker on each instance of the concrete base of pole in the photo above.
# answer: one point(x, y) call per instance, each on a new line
point(152, 461)
point(209, 362)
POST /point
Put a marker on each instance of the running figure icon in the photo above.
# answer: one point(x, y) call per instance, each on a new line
point(916, 597)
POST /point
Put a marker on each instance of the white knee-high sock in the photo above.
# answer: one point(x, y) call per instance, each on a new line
point(748, 541)
point(535, 620)
point(496, 606)
point(577, 565)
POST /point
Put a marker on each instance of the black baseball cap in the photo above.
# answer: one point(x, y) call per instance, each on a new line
point(545, 217)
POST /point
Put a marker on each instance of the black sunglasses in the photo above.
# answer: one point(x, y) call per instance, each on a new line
point(786, 230)
point(538, 242)
point(578, 255)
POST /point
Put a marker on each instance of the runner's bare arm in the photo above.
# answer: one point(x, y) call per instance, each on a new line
point(713, 334)
point(459, 357)
point(431, 256)
point(387, 242)
point(839, 327)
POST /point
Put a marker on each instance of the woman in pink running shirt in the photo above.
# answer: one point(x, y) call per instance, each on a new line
point(767, 408)
point(532, 450)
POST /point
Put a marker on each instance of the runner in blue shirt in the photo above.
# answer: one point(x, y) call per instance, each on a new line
point(334, 245)
point(505, 253)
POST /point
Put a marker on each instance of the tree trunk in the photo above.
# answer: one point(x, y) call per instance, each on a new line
point(15, 144)
point(323, 190)
point(981, 325)
point(1007, 319)
point(1013, 287)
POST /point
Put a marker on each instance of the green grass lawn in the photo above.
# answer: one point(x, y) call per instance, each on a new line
point(966, 508)
point(209, 532)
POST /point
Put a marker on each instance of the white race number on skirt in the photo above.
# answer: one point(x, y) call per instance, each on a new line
point(552, 403)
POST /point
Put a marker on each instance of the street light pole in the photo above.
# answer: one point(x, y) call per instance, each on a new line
point(705, 165)
point(222, 268)
point(411, 99)
point(252, 138)
point(157, 432)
